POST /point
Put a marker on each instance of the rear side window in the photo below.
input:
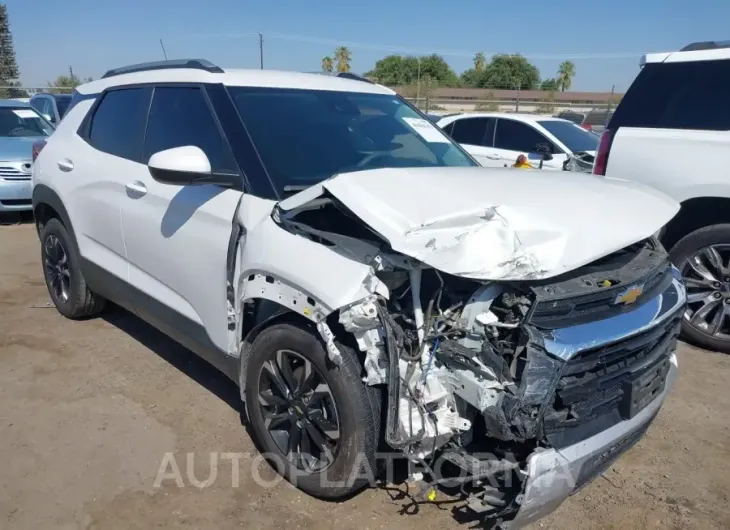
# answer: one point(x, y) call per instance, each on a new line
point(117, 126)
point(180, 116)
point(688, 95)
point(474, 131)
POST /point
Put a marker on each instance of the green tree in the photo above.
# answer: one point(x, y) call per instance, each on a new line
point(64, 84)
point(394, 70)
point(550, 84)
point(328, 64)
point(9, 72)
point(480, 61)
point(471, 78)
point(438, 70)
point(566, 73)
point(399, 70)
point(343, 56)
point(510, 72)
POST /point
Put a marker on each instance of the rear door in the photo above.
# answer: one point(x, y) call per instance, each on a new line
point(674, 121)
point(91, 169)
point(476, 136)
point(177, 237)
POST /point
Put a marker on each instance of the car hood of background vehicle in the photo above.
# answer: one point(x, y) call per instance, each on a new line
point(17, 148)
point(497, 224)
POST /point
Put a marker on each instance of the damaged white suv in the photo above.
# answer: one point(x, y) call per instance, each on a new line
point(363, 280)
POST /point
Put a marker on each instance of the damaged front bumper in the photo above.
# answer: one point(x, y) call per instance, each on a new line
point(555, 474)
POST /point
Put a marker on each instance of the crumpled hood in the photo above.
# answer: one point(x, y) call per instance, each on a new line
point(498, 224)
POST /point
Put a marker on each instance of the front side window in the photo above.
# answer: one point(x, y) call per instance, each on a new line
point(572, 136)
point(180, 116)
point(117, 126)
point(22, 122)
point(306, 136)
point(517, 136)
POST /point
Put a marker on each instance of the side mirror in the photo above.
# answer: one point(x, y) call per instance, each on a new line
point(544, 150)
point(186, 165)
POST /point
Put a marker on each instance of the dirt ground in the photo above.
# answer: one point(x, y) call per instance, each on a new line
point(88, 411)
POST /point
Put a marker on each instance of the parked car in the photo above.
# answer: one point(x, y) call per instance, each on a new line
point(497, 139)
point(51, 106)
point(594, 121)
point(671, 132)
point(20, 127)
point(572, 115)
point(341, 259)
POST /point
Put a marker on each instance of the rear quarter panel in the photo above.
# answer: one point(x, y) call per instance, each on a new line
point(683, 164)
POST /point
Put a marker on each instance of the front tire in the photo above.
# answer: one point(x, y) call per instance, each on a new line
point(703, 257)
point(315, 421)
point(62, 272)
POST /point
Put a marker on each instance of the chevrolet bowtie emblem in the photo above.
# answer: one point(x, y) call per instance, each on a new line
point(630, 295)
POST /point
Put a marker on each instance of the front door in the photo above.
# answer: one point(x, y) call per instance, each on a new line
point(514, 138)
point(177, 237)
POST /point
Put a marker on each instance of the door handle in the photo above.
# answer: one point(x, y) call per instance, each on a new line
point(65, 165)
point(137, 187)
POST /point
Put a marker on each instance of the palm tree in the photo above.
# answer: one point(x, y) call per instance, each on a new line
point(480, 61)
point(566, 72)
point(343, 56)
point(327, 64)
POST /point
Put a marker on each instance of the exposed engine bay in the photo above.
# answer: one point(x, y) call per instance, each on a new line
point(466, 364)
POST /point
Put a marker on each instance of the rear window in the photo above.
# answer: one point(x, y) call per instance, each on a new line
point(62, 103)
point(688, 95)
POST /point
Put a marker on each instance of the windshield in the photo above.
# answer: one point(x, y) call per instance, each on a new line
point(17, 122)
point(62, 103)
point(306, 136)
point(573, 137)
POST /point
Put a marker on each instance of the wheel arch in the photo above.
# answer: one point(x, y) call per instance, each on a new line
point(694, 214)
point(48, 205)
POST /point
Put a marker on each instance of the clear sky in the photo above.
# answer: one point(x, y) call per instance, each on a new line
point(604, 39)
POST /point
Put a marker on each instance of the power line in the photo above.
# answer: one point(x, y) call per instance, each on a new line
point(401, 49)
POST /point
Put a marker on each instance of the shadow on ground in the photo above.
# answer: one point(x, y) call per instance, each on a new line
point(177, 355)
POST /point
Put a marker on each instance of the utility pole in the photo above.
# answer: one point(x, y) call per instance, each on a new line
point(418, 84)
point(608, 110)
point(517, 103)
point(261, 50)
point(71, 71)
point(163, 49)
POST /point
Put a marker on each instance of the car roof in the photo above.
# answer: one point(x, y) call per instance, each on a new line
point(13, 103)
point(697, 51)
point(523, 117)
point(236, 77)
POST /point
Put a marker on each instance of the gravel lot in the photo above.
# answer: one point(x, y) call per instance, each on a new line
point(89, 409)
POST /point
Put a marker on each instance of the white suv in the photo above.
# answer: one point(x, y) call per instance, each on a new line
point(497, 139)
point(338, 256)
point(672, 132)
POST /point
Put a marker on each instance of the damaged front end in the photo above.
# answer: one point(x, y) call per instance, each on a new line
point(527, 388)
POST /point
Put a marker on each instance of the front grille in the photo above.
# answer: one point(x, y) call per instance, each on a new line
point(601, 387)
point(15, 174)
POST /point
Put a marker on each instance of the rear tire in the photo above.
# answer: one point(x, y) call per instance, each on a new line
point(708, 286)
point(339, 416)
point(62, 272)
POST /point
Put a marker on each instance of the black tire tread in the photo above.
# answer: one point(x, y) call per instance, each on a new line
point(85, 303)
point(366, 404)
point(680, 252)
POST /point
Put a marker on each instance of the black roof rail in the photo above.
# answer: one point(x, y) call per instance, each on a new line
point(195, 64)
point(706, 45)
point(355, 77)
